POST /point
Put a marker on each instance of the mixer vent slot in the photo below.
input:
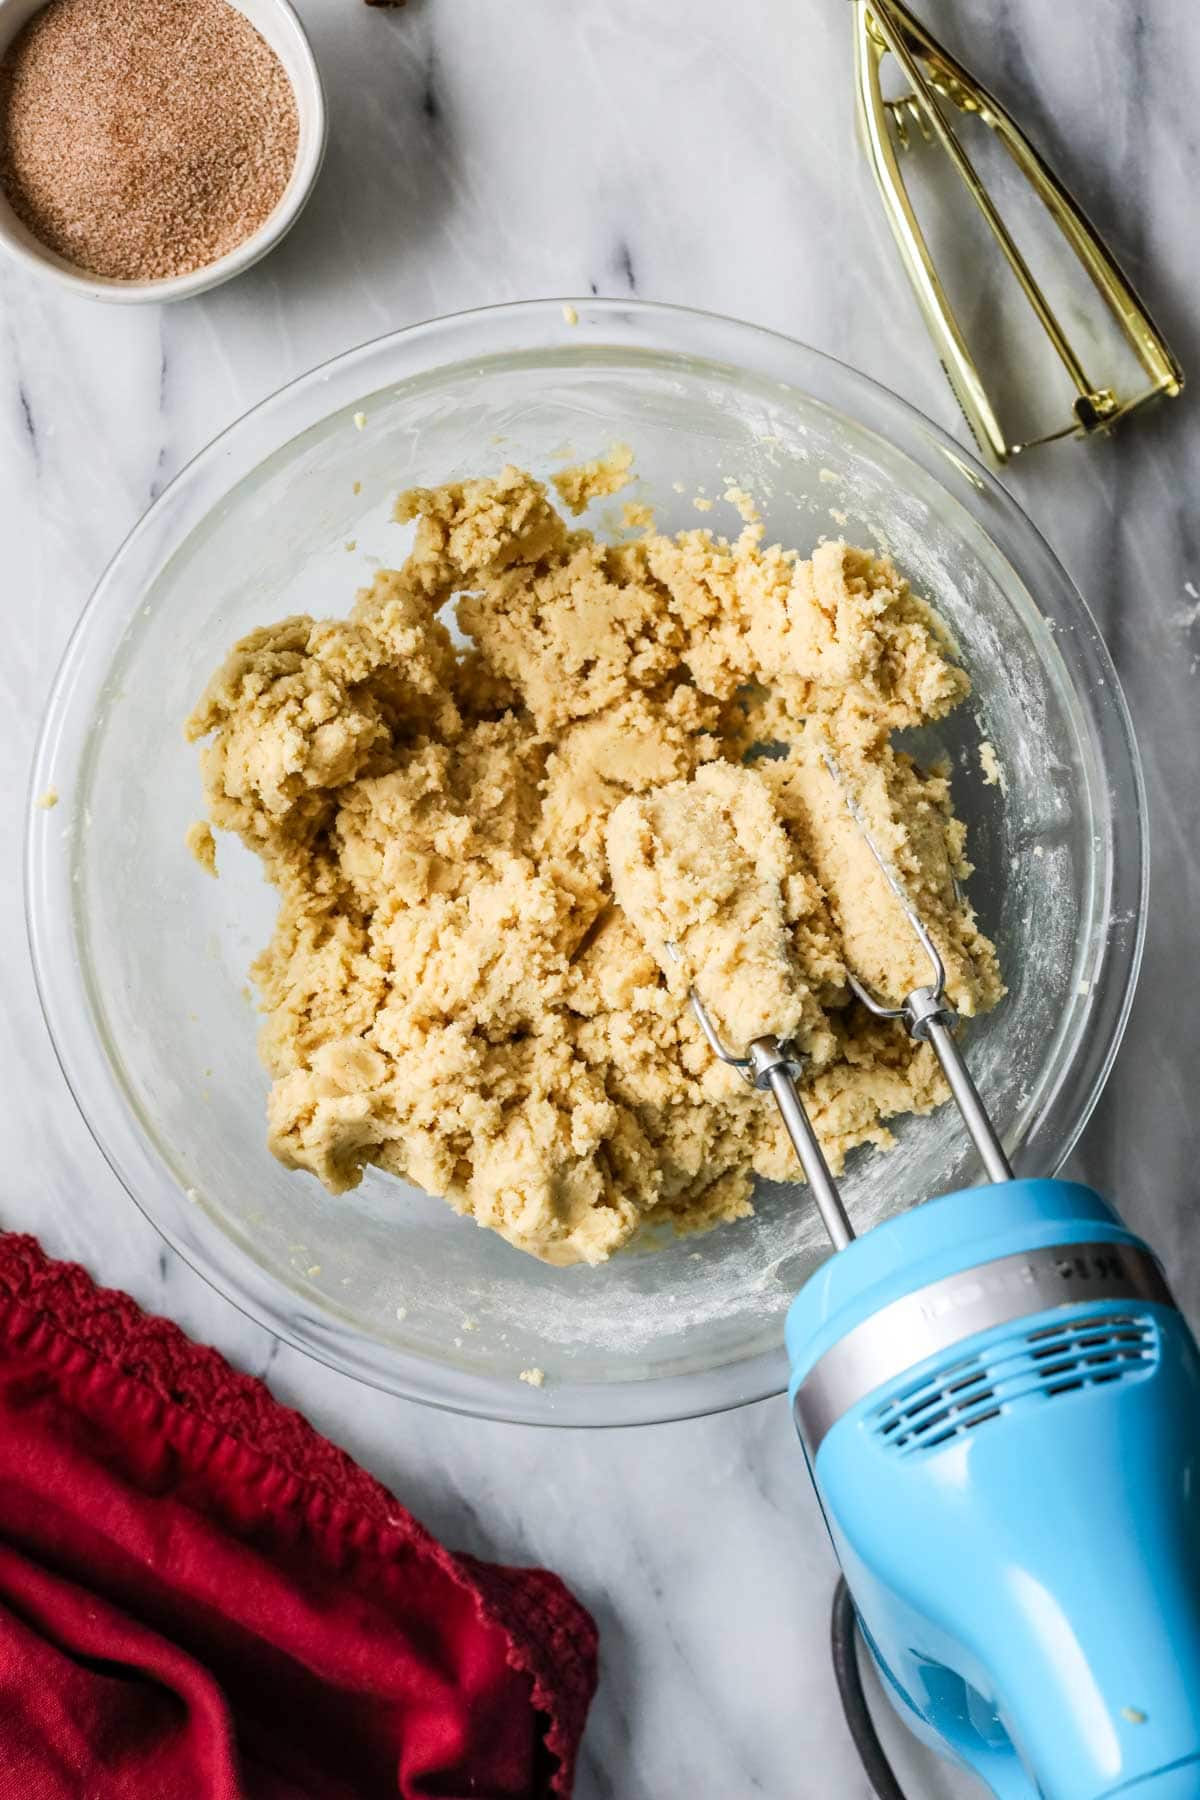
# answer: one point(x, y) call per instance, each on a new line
point(1025, 1369)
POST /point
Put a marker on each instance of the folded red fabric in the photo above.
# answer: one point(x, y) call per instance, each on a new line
point(203, 1599)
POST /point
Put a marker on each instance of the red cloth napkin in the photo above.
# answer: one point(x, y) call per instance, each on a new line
point(202, 1599)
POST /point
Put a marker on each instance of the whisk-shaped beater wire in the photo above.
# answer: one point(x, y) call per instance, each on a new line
point(926, 1012)
point(772, 1064)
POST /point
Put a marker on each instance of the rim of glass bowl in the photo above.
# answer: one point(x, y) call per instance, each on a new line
point(541, 330)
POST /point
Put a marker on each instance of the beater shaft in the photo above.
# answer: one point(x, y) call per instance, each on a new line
point(773, 1069)
point(966, 1098)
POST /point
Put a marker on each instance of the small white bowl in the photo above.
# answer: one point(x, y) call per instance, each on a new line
point(283, 31)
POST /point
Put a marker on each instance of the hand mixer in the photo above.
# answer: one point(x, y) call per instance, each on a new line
point(1000, 1407)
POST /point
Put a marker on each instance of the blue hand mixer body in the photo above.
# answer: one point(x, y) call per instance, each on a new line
point(1000, 1406)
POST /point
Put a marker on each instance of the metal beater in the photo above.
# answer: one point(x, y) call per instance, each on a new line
point(773, 1064)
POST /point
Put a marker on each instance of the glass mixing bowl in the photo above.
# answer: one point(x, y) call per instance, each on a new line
point(142, 961)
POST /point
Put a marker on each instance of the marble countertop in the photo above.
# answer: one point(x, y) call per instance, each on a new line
point(701, 153)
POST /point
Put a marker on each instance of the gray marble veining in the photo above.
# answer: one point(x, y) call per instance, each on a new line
point(700, 153)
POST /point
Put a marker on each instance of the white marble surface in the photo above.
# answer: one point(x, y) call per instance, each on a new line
point(689, 151)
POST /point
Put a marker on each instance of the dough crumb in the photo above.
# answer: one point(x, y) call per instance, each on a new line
point(203, 845)
point(47, 801)
point(584, 482)
point(351, 544)
point(992, 767)
point(360, 420)
point(357, 488)
point(533, 1377)
point(637, 516)
point(702, 504)
point(470, 1324)
point(744, 504)
point(570, 314)
point(402, 1313)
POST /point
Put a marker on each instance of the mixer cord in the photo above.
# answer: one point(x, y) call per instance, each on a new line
point(843, 1642)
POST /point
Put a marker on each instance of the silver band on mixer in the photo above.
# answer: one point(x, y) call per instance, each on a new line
point(947, 1312)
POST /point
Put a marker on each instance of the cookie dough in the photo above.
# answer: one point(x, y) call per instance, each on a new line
point(584, 482)
point(203, 845)
point(453, 991)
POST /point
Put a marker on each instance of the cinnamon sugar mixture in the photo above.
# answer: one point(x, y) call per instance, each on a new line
point(142, 139)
